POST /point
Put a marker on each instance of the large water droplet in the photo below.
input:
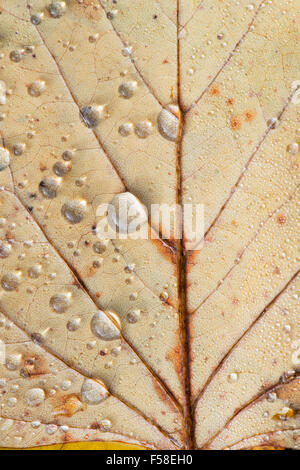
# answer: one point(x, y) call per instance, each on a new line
point(13, 361)
point(103, 327)
point(91, 115)
point(5, 249)
point(133, 316)
point(93, 392)
point(10, 281)
point(167, 122)
point(127, 89)
point(49, 186)
point(60, 302)
point(143, 129)
point(126, 213)
point(74, 211)
point(34, 396)
point(4, 158)
point(57, 9)
point(36, 88)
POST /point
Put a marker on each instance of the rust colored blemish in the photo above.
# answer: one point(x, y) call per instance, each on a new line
point(9, 235)
point(230, 101)
point(43, 167)
point(76, 283)
point(280, 219)
point(88, 271)
point(66, 405)
point(276, 270)
point(214, 90)
point(33, 366)
point(234, 223)
point(165, 61)
point(98, 295)
point(250, 114)
point(235, 123)
point(95, 426)
point(67, 437)
point(235, 301)
point(165, 251)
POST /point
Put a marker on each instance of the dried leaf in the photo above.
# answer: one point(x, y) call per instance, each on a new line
point(139, 341)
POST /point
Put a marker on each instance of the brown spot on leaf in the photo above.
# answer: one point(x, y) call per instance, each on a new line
point(235, 123)
point(280, 219)
point(250, 114)
point(214, 90)
point(67, 405)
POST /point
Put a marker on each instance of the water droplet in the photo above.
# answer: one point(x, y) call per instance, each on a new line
point(61, 168)
point(36, 18)
point(93, 37)
point(103, 326)
point(65, 385)
point(74, 211)
point(126, 51)
point(73, 324)
point(133, 316)
point(2, 92)
point(126, 213)
point(19, 148)
point(13, 361)
point(16, 55)
point(5, 249)
point(10, 281)
point(57, 9)
point(293, 148)
point(93, 392)
point(35, 271)
point(100, 246)
point(36, 88)
point(128, 89)
point(232, 378)
point(4, 158)
point(51, 429)
point(126, 129)
point(143, 129)
point(112, 14)
point(12, 402)
point(273, 123)
point(60, 302)
point(91, 115)
point(271, 397)
point(167, 122)
point(34, 396)
point(49, 186)
point(105, 424)
point(164, 296)
point(37, 338)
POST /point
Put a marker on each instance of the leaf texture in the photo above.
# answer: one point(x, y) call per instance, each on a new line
point(185, 330)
